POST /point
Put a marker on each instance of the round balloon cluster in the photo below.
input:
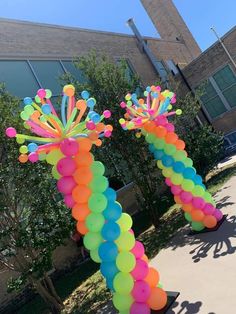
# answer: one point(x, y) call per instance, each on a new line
point(149, 117)
point(66, 143)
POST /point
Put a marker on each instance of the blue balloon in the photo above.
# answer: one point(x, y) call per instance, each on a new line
point(110, 194)
point(113, 211)
point(91, 102)
point(28, 101)
point(167, 160)
point(109, 269)
point(158, 154)
point(85, 94)
point(197, 179)
point(152, 148)
point(109, 283)
point(46, 109)
point(189, 173)
point(95, 117)
point(32, 147)
point(110, 231)
point(108, 251)
point(178, 167)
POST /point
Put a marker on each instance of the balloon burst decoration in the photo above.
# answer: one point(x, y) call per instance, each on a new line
point(66, 144)
point(150, 118)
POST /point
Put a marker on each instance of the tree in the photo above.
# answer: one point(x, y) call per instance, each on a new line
point(33, 223)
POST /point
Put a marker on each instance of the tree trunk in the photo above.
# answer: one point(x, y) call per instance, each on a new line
point(51, 299)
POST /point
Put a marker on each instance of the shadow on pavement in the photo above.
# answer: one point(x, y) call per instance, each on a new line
point(186, 308)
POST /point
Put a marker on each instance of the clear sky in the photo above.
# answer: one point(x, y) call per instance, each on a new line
point(111, 15)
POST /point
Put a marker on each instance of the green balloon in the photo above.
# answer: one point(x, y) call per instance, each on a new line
point(170, 149)
point(188, 217)
point(23, 149)
point(54, 156)
point(95, 256)
point(179, 155)
point(207, 197)
point(121, 302)
point(198, 191)
point(97, 168)
point(187, 185)
point(123, 283)
point(159, 143)
point(99, 184)
point(167, 172)
point(197, 226)
point(126, 241)
point(37, 99)
point(24, 116)
point(125, 222)
point(43, 157)
point(144, 132)
point(188, 162)
point(150, 138)
point(94, 222)
point(48, 93)
point(29, 109)
point(160, 164)
point(56, 175)
point(92, 240)
point(176, 178)
point(97, 202)
point(20, 140)
point(125, 262)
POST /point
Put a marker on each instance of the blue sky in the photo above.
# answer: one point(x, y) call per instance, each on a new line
point(111, 15)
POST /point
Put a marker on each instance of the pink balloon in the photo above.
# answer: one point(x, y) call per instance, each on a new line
point(161, 120)
point(65, 185)
point(198, 202)
point(218, 214)
point(208, 209)
point(138, 249)
point(69, 147)
point(33, 157)
point(140, 270)
point(186, 197)
point(69, 201)
point(11, 132)
point(170, 127)
point(141, 291)
point(66, 166)
point(176, 189)
point(168, 182)
point(139, 308)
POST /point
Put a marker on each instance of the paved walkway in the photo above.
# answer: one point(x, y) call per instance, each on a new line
point(203, 267)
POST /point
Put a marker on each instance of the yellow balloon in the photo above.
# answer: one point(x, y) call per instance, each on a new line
point(54, 156)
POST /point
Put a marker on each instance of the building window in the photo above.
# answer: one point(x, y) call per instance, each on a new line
point(73, 70)
point(49, 73)
point(18, 78)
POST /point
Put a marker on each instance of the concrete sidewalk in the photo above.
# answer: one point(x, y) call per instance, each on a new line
point(203, 267)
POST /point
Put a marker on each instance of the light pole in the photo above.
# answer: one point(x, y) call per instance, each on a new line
point(223, 45)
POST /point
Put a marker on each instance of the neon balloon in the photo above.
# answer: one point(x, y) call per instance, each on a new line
point(66, 143)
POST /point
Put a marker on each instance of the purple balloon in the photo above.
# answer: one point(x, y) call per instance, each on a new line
point(186, 197)
point(139, 308)
point(198, 202)
point(69, 201)
point(208, 209)
point(161, 120)
point(141, 291)
point(168, 182)
point(69, 147)
point(176, 189)
point(138, 249)
point(66, 166)
point(65, 185)
point(218, 214)
point(140, 270)
point(170, 127)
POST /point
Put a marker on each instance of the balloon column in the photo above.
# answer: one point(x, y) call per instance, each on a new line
point(66, 144)
point(150, 118)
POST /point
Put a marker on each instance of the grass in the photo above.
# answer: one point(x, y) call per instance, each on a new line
point(84, 290)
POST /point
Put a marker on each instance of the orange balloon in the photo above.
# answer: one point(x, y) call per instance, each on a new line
point(160, 131)
point(145, 258)
point(177, 199)
point(85, 144)
point(157, 299)
point(171, 137)
point(83, 159)
point(152, 277)
point(197, 215)
point(80, 211)
point(209, 221)
point(81, 227)
point(187, 208)
point(141, 101)
point(149, 126)
point(81, 194)
point(180, 145)
point(83, 175)
point(100, 127)
point(98, 143)
point(93, 136)
point(23, 158)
